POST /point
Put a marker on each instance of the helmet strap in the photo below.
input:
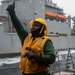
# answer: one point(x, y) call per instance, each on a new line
point(41, 30)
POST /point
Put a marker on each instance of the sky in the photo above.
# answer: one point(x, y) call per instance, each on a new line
point(0, 2)
point(67, 5)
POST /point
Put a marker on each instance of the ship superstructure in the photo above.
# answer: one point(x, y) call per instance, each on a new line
point(58, 24)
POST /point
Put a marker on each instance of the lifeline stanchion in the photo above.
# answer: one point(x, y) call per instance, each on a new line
point(56, 63)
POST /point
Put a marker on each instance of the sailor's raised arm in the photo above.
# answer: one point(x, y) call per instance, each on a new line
point(22, 33)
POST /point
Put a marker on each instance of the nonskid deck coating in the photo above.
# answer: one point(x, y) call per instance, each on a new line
point(9, 66)
point(13, 69)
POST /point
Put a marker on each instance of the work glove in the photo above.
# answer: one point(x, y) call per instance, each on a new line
point(30, 55)
point(11, 10)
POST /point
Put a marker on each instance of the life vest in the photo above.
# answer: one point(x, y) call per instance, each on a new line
point(31, 66)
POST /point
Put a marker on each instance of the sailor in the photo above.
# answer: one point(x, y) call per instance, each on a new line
point(37, 48)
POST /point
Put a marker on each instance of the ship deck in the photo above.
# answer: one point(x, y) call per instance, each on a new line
point(10, 66)
point(13, 69)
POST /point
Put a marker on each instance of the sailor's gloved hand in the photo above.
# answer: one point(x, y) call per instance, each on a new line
point(31, 55)
point(11, 10)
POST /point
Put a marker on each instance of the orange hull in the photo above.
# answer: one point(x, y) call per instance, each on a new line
point(50, 14)
point(54, 15)
point(61, 17)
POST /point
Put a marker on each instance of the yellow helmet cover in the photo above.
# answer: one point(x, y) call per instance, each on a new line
point(40, 20)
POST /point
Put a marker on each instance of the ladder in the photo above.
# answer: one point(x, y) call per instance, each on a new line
point(69, 60)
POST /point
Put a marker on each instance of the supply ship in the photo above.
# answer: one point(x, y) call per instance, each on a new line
point(59, 25)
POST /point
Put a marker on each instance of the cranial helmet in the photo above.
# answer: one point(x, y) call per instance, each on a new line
point(40, 20)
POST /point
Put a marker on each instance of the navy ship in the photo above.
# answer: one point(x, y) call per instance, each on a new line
point(58, 24)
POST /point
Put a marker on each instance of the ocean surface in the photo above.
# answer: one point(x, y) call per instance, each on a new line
point(9, 66)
